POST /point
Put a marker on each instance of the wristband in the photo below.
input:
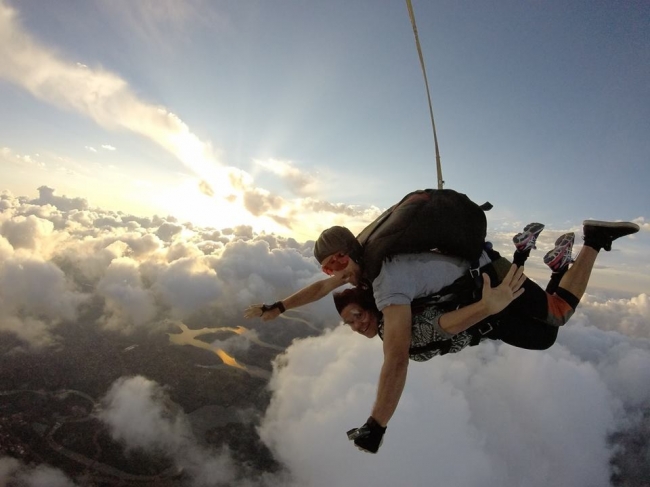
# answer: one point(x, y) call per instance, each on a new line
point(277, 305)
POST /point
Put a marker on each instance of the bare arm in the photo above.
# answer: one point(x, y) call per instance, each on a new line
point(397, 340)
point(306, 295)
point(493, 300)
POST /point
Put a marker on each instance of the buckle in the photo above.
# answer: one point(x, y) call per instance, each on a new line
point(475, 268)
point(485, 329)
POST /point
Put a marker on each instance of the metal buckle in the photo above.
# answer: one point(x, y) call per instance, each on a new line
point(487, 327)
point(475, 272)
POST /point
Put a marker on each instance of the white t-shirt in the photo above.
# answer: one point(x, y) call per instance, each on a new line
point(406, 277)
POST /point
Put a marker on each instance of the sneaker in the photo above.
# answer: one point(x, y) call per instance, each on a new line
point(526, 239)
point(604, 233)
point(560, 256)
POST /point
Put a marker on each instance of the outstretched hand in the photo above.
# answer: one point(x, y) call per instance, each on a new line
point(257, 311)
point(496, 299)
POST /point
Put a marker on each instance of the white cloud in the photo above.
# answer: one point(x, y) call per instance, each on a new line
point(26, 232)
point(629, 316)
point(141, 415)
point(140, 271)
point(127, 303)
point(489, 416)
point(46, 196)
point(7, 155)
point(188, 285)
point(34, 297)
point(514, 417)
point(299, 182)
point(13, 472)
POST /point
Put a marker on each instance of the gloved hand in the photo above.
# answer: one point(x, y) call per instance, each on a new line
point(369, 437)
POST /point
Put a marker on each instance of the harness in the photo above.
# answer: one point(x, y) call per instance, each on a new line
point(462, 292)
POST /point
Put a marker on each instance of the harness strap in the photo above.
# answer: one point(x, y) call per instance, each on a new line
point(482, 330)
point(443, 346)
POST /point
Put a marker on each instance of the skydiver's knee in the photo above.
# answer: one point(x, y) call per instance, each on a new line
point(559, 311)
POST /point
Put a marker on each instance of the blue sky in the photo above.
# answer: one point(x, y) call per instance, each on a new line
point(541, 107)
point(290, 116)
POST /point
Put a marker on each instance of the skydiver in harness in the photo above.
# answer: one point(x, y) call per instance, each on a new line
point(431, 329)
point(517, 311)
point(402, 278)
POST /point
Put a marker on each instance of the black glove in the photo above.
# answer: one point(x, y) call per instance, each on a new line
point(369, 437)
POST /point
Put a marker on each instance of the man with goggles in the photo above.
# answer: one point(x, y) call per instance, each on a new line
point(406, 277)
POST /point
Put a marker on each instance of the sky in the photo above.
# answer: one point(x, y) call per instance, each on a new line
point(184, 156)
point(288, 109)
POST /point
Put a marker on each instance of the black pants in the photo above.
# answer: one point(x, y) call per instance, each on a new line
point(532, 320)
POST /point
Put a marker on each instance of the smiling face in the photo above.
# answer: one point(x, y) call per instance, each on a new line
point(360, 320)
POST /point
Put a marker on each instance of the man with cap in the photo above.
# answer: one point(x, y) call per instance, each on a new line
point(339, 253)
point(401, 279)
point(405, 277)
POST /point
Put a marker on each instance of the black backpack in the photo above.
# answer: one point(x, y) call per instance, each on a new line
point(424, 220)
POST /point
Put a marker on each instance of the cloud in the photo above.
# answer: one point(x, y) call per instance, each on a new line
point(168, 230)
point(46, 196)
point(127, 273)
point(514, 417)
point(126, 303)
point(13, 472)
point(300, 183)
point(7, 155)
point(26, 232)
point(629, 316)
point(206, 189)
point(140, 414)
point(35, 296)
point(470, 419)
point(188, 285)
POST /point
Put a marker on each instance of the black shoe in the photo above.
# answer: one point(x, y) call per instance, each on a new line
point(599, 234)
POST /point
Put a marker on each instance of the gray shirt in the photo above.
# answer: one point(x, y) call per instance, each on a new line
point(406, 277)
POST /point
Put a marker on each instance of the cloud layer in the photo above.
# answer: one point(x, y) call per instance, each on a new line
point(489, 416)
point(58, 255)
point(492, 415)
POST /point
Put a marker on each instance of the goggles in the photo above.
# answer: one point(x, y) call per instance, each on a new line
point(334, 263)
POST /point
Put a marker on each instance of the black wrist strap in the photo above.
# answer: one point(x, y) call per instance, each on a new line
point(277, 305)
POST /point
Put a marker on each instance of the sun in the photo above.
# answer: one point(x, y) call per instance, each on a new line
point(188, 201)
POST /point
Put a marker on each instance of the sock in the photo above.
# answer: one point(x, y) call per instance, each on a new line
point(556, 277)
point(519, 257)
point(594, 243)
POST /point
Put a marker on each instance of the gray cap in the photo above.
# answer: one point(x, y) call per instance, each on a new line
point(333, 240)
